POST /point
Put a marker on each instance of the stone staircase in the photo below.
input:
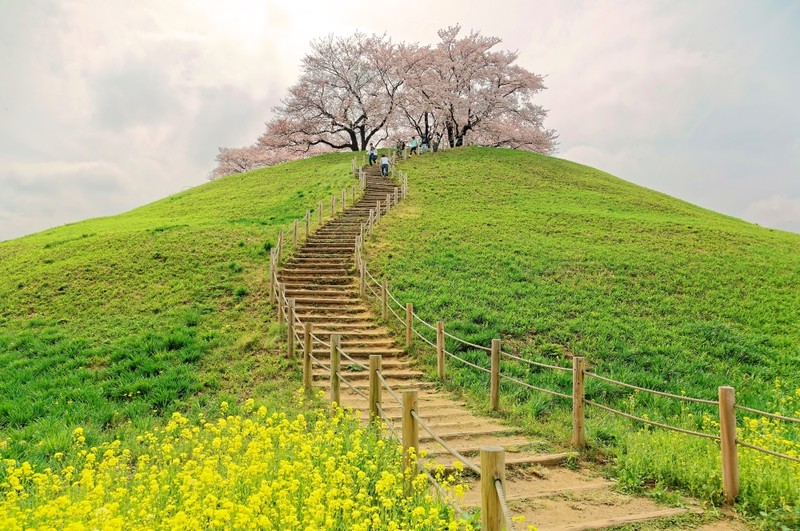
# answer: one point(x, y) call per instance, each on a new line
point(321, 279)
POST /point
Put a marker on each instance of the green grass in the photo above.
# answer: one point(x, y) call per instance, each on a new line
point(112, 324)
point(559, 259)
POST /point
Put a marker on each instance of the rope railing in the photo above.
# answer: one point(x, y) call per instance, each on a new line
point(425, 339)
point(423, 321)
point(535, 388)
point(386, 420)
point(316, 339)
point(318, 362)
point(446, 446)
point(465, 342)
point(535, 363)
point(392, 393)
point(501, 495)
point(764, 413)
point(357, 391)
point(351, 360)
point(768, 452)
point(465, 362)
point(653, 423)
point(651, 391)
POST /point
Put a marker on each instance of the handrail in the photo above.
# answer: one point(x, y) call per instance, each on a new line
point(359, 392)
point(653, 423)
point(764, 413)
point(465, 362)
point(446, 446)
point(768, 452)
point(501, 495)
point(530, 386)
point(536, 363)
point(388, 388)
point(350, 359)
point(651, 391)
point(473, 345)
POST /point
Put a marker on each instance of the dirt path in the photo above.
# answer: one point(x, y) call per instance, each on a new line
point(322, 281)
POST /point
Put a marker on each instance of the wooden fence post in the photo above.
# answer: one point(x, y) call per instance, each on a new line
point(495, 376)
point(344, 198)
point(370, 220)
point(336, 358)
point(272, 276)
point(384, 300)
point(409, 322)
point(374, 387)
point(280, 247)
point(290, 328)
point(333, 204)
point(307, 367)
point(378, 212)
point(308, 223)
point(388, 201)
point(730, 457)
point(294, 245)
point(353, 194)
point(578, 393)
point(440, 349)
point(281, 302)
point(396, 196)
point(410, 438)
point(493, 467)
point(319, 212)
point(363, 283)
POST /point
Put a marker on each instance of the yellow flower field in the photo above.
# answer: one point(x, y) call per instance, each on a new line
point(251, 471)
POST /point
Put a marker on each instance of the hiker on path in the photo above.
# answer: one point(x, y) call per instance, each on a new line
point(372, 155)
point(413, 146)
point(385, 166)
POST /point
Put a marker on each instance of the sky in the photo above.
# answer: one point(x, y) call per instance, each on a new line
point(106, 105)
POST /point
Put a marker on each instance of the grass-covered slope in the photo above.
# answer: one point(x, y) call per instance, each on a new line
point(559, 259)
point(652, 290)
point(111, 323)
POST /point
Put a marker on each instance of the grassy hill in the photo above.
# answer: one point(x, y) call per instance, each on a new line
point(113, 323)
point(559, 259)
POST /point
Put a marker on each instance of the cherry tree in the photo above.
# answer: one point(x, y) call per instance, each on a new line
point(474, 85)
point(362, 89)
point(346, 92)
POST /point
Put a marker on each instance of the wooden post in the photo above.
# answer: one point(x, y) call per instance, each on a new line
point(307, 368)
point(290, 328)
point(308, 223)
point(344, 198)
point(409, 321)
point(493, 466)
point(336, 358)
point(361, 233)
point(333, 204)
point(440, 349)
point(272, 276)
point(730, 457)
point(294, 245)
point(396, 196)
point(280, 247)
point(370, 220)
point(410, 437)
point(377, 212)
point(353, 194)
point(495, 376)
point(374, 387)
point(388, 201)
point(319, 212)
point(363, 275)
point(578, 393)
point(281, 302)
point(384, 300)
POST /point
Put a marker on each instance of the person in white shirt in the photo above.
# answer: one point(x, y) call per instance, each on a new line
point(385, 166)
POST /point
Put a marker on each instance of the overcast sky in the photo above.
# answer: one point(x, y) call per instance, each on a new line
point(107, 105)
